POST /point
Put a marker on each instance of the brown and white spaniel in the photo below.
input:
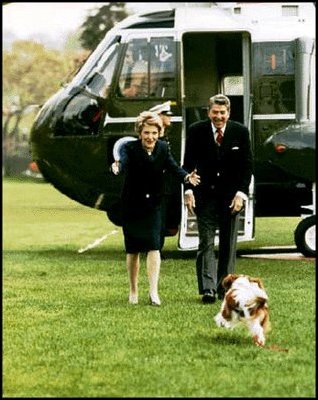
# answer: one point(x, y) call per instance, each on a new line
point(245, 301)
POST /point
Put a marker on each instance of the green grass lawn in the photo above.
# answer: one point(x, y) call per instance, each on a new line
point(68, 330)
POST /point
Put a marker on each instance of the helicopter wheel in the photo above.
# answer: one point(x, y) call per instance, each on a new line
point(305, 236)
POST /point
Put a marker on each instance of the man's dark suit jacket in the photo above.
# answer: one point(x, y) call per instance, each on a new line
point(223, 170)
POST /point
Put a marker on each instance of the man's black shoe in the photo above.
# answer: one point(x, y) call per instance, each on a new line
point(208, 297)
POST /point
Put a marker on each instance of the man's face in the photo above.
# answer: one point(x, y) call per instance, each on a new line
point(129, 58)
point(166, 120)
point(219, 115)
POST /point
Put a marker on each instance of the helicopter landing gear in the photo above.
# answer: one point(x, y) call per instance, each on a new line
point(305, 236)
point(305, 232)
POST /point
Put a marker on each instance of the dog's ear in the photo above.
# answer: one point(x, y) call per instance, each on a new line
point(229, 305)
point(258, 281)
point(257, 303)
point(228, 280)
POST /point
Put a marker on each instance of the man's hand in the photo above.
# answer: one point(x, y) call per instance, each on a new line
point(189, 201)
point(236, 204)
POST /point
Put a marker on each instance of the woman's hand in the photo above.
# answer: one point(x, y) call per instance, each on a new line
point(115, 167)
point(193, 178)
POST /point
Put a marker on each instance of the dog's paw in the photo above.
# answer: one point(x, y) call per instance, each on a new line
point(259, 340)
point(218, 320)
point(221, 322)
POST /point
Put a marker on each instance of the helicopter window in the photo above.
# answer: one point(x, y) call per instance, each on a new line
point(162, 67)
point(100, 80)
point(233, 85)
point(148, 69)
point(83, 112)
point(274, 58)
point(274, 78)
point(133, 80)
point(86, 71)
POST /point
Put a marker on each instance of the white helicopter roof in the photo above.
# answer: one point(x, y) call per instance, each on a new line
point(207, 19)
point(265, 21)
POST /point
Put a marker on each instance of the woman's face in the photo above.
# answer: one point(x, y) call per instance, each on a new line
point(149, 136)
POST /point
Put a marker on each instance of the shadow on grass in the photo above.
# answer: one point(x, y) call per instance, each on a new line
point(112, 254)
point(178, 254)
point(228, 338)
point(118, 253)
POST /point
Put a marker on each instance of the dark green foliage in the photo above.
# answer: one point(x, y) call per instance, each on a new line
point(96, 26)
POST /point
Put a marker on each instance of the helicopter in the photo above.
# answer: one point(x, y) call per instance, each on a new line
point(266, 66)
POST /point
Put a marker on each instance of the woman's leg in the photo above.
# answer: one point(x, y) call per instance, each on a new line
point(132, 262)
point(153, 270)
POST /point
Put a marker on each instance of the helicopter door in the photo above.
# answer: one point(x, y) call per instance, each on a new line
point(216, 63)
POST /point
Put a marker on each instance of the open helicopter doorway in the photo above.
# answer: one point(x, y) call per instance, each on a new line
point(216, 62)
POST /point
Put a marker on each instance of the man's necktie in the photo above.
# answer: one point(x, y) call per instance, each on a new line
point(219, 136)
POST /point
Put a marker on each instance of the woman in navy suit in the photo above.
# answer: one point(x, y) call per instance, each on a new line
point(220, 150)
point(144, 162)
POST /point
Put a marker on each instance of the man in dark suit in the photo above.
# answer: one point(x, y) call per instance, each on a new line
point(220, 151)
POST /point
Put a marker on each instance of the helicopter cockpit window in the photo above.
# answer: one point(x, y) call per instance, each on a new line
point(100, 79)
point(163, 67)
point(99, 53)
point(133, 81)
point(84, 109)
point(149, 69)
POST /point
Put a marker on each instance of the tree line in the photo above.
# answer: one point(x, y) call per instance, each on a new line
point(32, 73)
